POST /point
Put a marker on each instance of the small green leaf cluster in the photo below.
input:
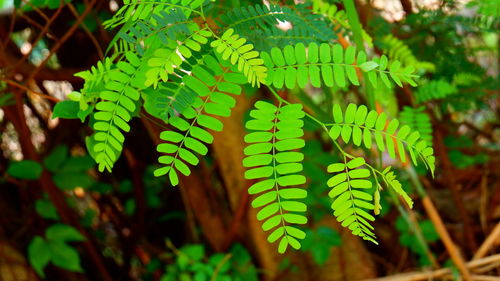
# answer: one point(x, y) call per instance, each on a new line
point(54, 248)
point(192, 263)
point(407, 237)
point(360, 126)
point(233, 48)
point(319, 243)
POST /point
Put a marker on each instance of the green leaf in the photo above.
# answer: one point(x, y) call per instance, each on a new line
point(46, 209)
point(369, 65)
point(56, 158)
point(26, 169)
point(39, 255)
point(64, 233)
point(64, 256)
point(66, 109)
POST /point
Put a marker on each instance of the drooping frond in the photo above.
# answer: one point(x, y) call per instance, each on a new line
point(360, 126)
point(330, 64)
point(118, 102)
point(134, 10)
point(234, 49)
point(212, 84)
point(418, 121)
point(435, 89)
point(272, 160)
point(352, 201)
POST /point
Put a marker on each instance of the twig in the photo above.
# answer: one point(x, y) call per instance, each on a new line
point(439, 273)
point(11, 28)
point(433, 214)
point(490, 242)
point(65, 37)
point(89, 34)
point(40, 36)
point(452, 249)
point(20, 86)
point(219, 266)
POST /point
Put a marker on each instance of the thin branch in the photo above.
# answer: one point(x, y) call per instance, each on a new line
point(491, 241)
point(22, 87)
point(440, 273)
point(65, 37)
point(89, 34)
point(43, 32)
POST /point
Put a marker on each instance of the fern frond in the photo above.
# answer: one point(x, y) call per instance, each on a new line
point(134, 10)
point(118, 101)
point(332, 64)
point(397, 50)
point(276, 133)
point(234, 49)
point(212, 84)
point(165, 60)
point(351, 199)
point(418, 121)
point(359, 125)
point(435, 89)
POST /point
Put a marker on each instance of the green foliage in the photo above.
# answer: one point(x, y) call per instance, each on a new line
point(6, 99)
point(51, 4)
point(418, 121)
point(435, 89)
point(276, 133)
point(398, 50)
point(26, 169)
point(66, 109)
point(192, 263)
point(319, 243)
point(407, 237)
point(164, 60)
point(298, 65)
point(54, 248)
point(69, 172)
point(213, 85)
point(360, 126)
point(351, 202)
point(118, 102)
point(46, 209)
point(183, 69)
point(233, 48)
point(133, 11)
point(337, 17)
